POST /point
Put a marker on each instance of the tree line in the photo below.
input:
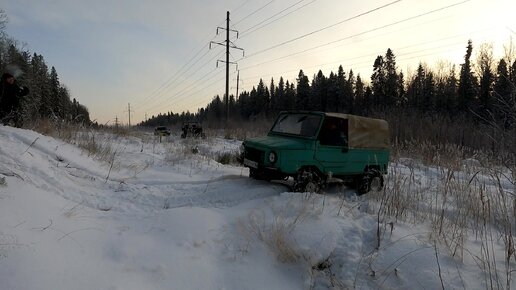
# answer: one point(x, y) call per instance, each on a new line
point(478, 92)
point(48, 97)
point(485, 94)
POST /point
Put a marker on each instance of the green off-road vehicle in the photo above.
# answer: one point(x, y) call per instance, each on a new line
point(317, 148)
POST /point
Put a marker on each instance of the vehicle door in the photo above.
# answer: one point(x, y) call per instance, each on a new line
point(332, 145)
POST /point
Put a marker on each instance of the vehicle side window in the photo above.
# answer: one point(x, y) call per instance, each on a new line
point(309, 126)
point(334, 132)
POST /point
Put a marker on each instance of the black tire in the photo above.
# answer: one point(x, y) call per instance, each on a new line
point(308, 180)
point(258, 174)
point(372, 180)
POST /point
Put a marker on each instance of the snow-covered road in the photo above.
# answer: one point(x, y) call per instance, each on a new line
point(160, 217)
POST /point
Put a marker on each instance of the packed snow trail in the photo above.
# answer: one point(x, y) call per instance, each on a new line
point(66, 170)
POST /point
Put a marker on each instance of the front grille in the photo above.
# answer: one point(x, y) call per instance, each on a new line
point(254, 154)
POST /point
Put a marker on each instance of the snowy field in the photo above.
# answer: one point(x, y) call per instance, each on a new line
point(152, 215)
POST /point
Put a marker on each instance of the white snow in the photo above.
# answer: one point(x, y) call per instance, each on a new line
point(161, 217)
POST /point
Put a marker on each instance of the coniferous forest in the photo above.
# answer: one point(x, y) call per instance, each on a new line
point(48, 98)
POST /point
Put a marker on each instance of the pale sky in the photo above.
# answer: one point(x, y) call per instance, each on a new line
point(155, 56)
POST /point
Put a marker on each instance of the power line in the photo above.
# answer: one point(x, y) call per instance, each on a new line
point(176, 96)
point(252, 13)
point(178, 77)
point(174, 77)
point(243, 32)
point(240, 6)
point(370, 55)
point(324, 28)
point(192, 92)
point(358, 34)
point(183, 93)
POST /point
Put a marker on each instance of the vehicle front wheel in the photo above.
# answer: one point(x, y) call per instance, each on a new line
point(308, 181)
point(258, 174)
point(264, 175)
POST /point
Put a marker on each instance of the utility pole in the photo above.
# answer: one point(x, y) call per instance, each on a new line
point(238, 82)
point(227, 45)
point(227, 69)
point(129, 110)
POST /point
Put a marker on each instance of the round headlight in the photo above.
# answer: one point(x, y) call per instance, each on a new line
point(272, 157)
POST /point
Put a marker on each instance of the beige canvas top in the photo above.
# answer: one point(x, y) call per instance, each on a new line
point(365, 132)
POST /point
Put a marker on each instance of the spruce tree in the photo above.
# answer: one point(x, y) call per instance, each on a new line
point(502, 92)
point(56, 106)
point(467, 90)
point(392, 94)
point(348, 93)
point(429, 104)
point(280, 96)
point(341, 88)
point(331, 93)
point(317, 99)
point(303, 92)
point(40, 87)
point(450, 92)
point(273, 103)
point(290, 96)
point(359, 96)
point(416, 89)
point(401, 89)
point(485, 63)
point(262, 98)
point(378, 82)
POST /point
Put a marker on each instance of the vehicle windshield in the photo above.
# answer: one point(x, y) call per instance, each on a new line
point(305, 125)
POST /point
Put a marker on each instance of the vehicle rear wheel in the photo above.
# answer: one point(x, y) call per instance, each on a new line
point(372, 180)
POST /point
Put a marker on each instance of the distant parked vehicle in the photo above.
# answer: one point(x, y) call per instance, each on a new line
point(192, 129)
point(317, 148)
point(161, 131)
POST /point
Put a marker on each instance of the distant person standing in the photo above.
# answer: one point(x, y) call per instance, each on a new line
point(10, 97)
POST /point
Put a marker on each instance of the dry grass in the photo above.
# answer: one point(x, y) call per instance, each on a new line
point(91, 141)
point(461, 194)
point(276, 229)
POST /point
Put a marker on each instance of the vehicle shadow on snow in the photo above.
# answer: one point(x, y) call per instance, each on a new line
point(333, 189)
point(229, 191)
point(222, 192)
